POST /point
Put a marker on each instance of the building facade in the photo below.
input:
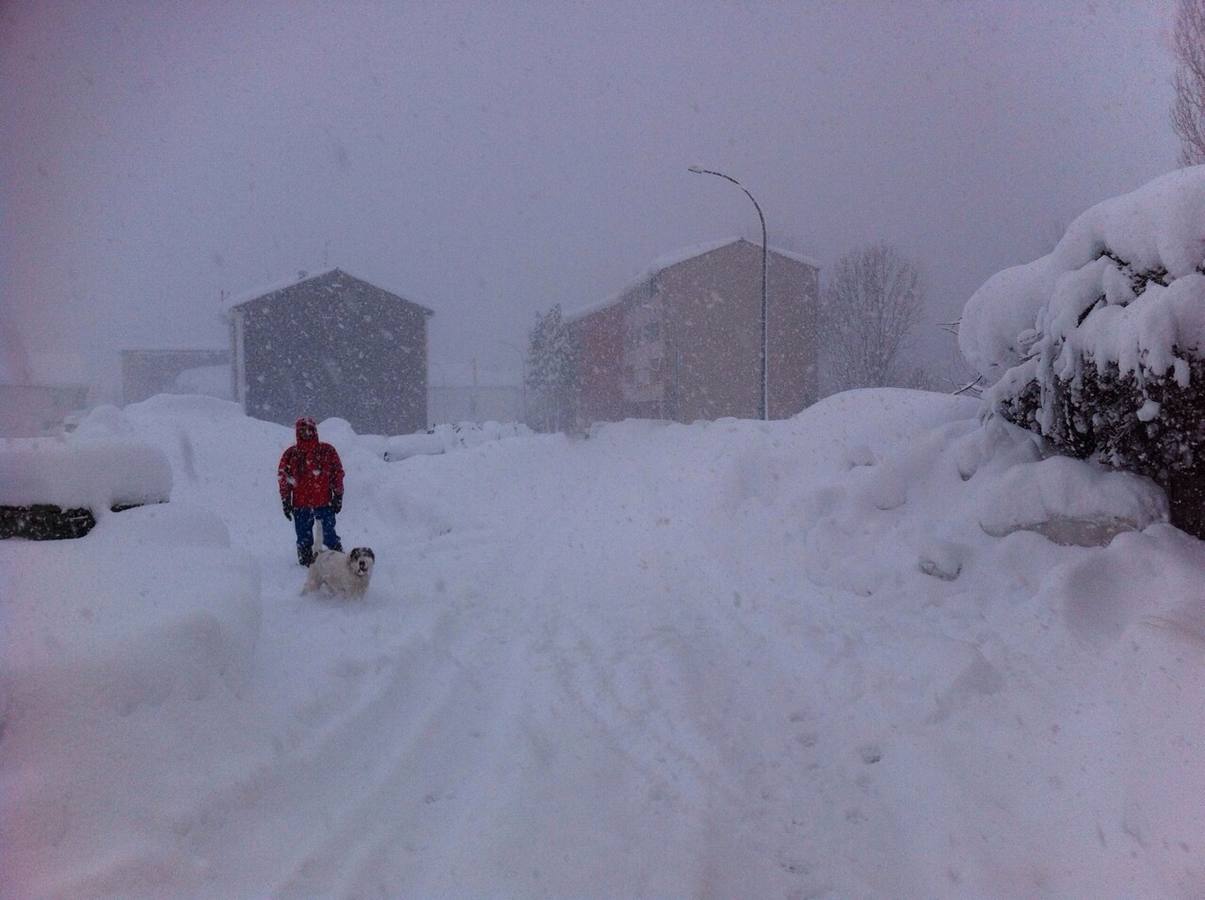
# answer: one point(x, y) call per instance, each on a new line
point(332, 345)
point(684, 342)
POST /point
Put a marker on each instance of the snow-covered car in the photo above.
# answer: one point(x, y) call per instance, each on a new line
point(52, 489)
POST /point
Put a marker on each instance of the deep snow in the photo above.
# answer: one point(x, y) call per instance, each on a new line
point(841, 655)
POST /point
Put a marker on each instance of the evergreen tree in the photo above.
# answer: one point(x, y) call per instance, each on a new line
point(552, 372)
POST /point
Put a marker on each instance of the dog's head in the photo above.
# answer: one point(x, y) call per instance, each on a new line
point(361, 561)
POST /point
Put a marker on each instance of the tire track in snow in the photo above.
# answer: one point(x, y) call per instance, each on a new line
point(423, 764)
point(344, 751)
point(250, 824)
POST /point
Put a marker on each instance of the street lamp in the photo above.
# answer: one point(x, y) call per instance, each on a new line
point(764, 412)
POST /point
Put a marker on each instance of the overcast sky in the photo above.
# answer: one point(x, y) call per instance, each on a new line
point(489, 159)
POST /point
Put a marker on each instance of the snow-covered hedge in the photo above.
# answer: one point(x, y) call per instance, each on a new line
point(1100, 345)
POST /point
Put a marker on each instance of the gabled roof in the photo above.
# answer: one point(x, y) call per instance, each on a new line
point(662, 263)
point(233, 302)
point(669, 260)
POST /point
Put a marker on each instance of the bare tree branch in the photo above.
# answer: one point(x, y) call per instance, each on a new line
point(871, 306)
point(971, 387)
point(1188, 107)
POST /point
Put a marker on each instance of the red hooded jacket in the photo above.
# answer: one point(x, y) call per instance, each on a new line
point(310, 472)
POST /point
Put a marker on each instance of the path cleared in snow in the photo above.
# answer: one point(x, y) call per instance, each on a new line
point(730, 659)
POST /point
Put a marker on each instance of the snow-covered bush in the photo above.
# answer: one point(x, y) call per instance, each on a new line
point(1100, 345)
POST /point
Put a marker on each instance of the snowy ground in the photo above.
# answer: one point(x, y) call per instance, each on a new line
point(835, 656)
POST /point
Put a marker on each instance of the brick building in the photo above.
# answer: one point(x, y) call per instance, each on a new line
point(684, 342)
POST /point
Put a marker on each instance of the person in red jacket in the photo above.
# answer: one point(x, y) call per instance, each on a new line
point(310, 476)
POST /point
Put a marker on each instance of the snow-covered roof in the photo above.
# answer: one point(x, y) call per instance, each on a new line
point(669, 260)
point(798, 257)
point(664, 262)
point(589, 309)
point(1121, 242)
point(302, 277)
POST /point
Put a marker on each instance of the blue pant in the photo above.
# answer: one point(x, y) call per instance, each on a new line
point(303, 521)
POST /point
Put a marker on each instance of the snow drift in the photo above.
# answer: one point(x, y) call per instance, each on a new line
point(838, 655)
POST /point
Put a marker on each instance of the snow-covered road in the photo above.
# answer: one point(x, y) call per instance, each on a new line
point(661, 661)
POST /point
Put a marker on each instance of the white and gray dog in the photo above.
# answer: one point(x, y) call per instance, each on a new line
point(344, 573)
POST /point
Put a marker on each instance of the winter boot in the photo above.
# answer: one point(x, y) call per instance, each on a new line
point(305, 555)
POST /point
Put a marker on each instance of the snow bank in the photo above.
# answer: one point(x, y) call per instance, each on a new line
point(163, 410)
point(210, 381)
point(444, 438)
point(1137, 261)
point(99, 600)
point(1071, 502)
point(843, 654)
point(122, 661)
point(925, 500)
point(74, 474)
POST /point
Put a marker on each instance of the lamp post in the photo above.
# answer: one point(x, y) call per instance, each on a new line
point(764, 412)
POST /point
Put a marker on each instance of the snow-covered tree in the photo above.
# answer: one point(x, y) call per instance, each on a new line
point(1100, 345)
point(1188, 108)
point(551, 372)
point(870, 306)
